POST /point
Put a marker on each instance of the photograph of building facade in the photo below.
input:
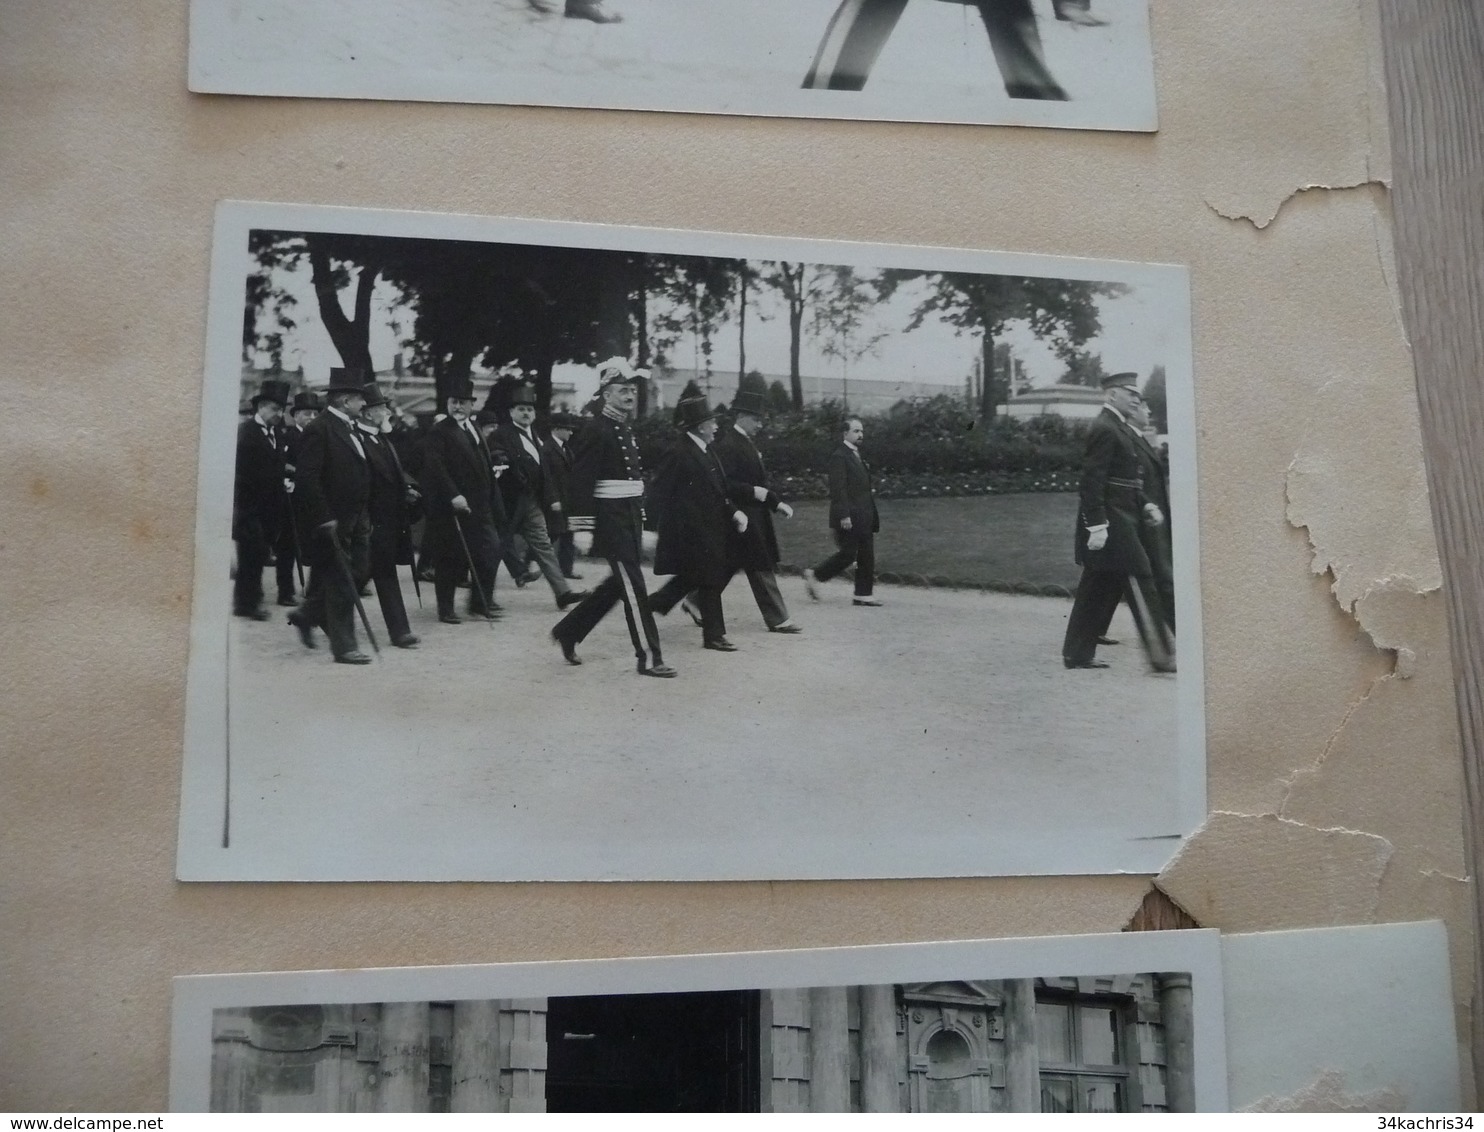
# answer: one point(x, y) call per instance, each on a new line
point(1122, 1043)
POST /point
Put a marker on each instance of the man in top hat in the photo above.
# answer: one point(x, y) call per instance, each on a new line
point(305, 408)
point(257, 496)
point(608, 484)
point(698, 525)
point(1110, 546)
point(332, 487)
point(392, 497)
point(459, 492)
point(558, 527)
point(529, 490)
point(747, 483)
point(859, 30)
point(853, 518)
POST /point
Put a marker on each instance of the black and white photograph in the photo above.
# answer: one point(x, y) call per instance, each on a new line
point(1075, 64)
point(982, 1026)
point(539, 551)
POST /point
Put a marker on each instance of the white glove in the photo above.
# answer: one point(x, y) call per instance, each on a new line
point(785, 510)
point(500, 470)
point(459, 503)
point(557, 506)
point(845, 523)
point(741, 521)
point(760, 494)
point(288, 486)
point(1155, 516)
point(1097, 537)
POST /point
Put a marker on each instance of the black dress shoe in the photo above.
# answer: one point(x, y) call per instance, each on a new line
point(569, 650)
point(352, 658)
point(252, 614)
point(786, 627)
point(1084, 663)
point(720, 644)
point(1108, 641)
point(450, 618)
point(288, 599)
point(591, 10)
point(573, 576)
point(1165, 666)
point(663, 671)
point(1047, 93)
point(571, 597)
point(692, 612)
point(406, 641)
point(306, 630)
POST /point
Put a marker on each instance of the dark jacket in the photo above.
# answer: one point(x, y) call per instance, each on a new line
point(559, 468)
point(605, 449)
point(697, 538)
point(391, 530)
point(1112, 492)
point(1157, 540)
point(257, 488)
point(743, 465)
point(527, 475)
point(456, 463)
point(851, 494)
point(331, 480)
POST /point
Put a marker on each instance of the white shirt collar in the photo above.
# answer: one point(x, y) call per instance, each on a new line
point(853, 448)
point(701, 444)
point(1108, 405)
point(339, 414)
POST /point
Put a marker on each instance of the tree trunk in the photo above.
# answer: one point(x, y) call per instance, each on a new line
point(988, 385)
point(742, 327)
point(350, 336)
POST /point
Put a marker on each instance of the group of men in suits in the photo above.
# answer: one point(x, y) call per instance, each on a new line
point(1122, 536)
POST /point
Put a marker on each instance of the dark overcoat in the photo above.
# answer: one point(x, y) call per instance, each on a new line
point(456, 463)
point(1157, 540)
point(391, 523)
point(527, 475)
point(559, 468)
point(331, 481)
point(257, 488)
point(743, 465)
point(851, 493)
point(605, 449)
point(1112, 492)
point(697, 539)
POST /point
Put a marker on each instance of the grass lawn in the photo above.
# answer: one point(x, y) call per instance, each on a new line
point(979, 538)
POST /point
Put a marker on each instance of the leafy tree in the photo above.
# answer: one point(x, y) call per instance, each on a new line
point(839, 319)
point(778, 400)
point(799, 284)
point(1061, 311)
point(1084, 368)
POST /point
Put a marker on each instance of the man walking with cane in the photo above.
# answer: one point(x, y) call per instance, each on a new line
point(458, 484)
point(332, 487)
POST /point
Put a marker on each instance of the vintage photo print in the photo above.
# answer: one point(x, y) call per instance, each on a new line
point(1112, 1023)
point(537, 551)
point(1078, 64)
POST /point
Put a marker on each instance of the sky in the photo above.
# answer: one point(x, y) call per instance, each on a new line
point(1135, 335)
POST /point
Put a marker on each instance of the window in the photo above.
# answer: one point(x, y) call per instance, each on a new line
point(1084, 1067)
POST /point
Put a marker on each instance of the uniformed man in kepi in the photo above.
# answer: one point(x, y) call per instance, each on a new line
point(1109, 544)
point(257, 496)
point(608, 484)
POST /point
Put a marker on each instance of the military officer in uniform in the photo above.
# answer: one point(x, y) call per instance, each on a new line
point(391, 533)
point(698, 525)
point(459, 492)
point(257, 496)
point(1110, 546)
point(859, 30)
point(608, 484)
point(747, 482)
point(332, 487)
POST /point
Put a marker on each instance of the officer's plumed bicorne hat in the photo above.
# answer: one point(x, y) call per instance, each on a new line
point(275, 391)
point(692, 412)
point(1121, 380)
point(616, 371)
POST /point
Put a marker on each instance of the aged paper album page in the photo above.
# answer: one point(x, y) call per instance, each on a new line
point(481, 755)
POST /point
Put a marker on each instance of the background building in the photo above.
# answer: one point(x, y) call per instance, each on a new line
point(1106, 1044)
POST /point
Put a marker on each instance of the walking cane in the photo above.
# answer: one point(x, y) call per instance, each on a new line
point(417, 589)
point(484, 598)
point(298, 551)
point(355, 591)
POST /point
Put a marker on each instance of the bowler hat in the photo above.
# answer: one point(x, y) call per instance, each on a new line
point(306, 401)
point(346, 379)
point(1125, 380)
point(373, 394)
point(749, 401)
point(275, 391)
point(691, 412)
point(564, 420)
